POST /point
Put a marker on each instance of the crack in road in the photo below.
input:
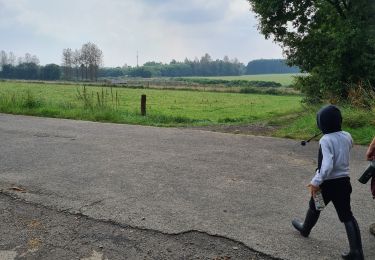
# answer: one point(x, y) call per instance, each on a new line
point(83, 232)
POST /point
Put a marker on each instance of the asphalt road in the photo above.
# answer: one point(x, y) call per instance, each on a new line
point(173, 181)
point(34, 232)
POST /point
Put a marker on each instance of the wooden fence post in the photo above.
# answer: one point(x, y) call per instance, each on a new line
point(143, 105)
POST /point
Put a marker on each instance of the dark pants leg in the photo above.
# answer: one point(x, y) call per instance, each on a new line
point(338, 191)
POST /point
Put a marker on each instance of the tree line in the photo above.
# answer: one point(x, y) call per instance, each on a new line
point(85, 64)
point(81, 64)
point(26, 67)
point(205, 66)
point(272, 66)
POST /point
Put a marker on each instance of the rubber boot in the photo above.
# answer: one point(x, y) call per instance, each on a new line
point(310, 221)
point(355, 243)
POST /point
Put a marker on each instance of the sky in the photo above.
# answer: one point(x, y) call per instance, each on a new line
point(159, 30)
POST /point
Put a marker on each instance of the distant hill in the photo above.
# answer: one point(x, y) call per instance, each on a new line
point(269, 66)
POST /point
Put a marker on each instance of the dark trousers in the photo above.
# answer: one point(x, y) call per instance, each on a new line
point(338, 191)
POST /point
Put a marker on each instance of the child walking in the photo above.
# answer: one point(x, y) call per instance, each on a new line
point(332, 179)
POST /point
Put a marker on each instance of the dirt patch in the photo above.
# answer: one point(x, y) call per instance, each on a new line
point(251, 129)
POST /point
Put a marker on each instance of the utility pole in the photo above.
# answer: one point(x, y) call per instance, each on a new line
point(137, 58)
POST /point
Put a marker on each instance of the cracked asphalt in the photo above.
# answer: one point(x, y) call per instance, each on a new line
point(32, 231)
point(179, 185)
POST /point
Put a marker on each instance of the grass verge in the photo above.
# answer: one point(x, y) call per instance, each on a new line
point(358, 122)
point(176, 108)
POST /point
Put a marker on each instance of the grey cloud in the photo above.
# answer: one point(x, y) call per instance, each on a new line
point(191, 16)
point(186, 12)
point(159, 29)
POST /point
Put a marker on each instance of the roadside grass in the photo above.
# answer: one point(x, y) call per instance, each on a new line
point(164, 107)
point(167, 108)
point(358, 122)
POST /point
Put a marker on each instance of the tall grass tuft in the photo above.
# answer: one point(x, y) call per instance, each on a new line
point(99, 99)
point(362, 95)
point(30, 101)
point(19, 101)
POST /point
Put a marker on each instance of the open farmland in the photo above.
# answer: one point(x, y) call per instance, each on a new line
point(282, 116)
point(283, 79)
point(164, 107)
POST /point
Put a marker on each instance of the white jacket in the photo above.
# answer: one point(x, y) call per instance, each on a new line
point(336, 154)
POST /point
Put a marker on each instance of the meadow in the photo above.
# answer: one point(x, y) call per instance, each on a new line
point(179, 108)
point(283, 79)
point(164, 107)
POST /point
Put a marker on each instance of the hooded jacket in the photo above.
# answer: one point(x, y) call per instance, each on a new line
point(329, 119)
point(335, 146)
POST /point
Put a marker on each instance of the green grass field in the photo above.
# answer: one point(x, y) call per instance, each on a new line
point(176, 108)
point(283, 79)
point(164, 107)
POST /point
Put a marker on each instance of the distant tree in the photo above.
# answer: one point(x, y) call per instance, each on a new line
point(31, 59)
point(8, 71)
point(111, 72)
point(12, 59)
point(92, 59)
point(269, 66)
point(83, 63)
point(27, 70)
point(50, 72)
point(176, 70)
point(153, 63)
point(3, 59)
point(143, 72)
point(67, 64)
point(198, 67)
point(77, 61)
point(27, 67)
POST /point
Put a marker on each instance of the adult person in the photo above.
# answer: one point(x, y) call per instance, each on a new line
point(370, 155)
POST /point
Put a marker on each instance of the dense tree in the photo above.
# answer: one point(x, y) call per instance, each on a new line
point(92, 59)
point(111, 72)
point(333, 40)
point(198, 67)
point(3, 59)
point(27, 68)
point(84, 63)
point(50, 72)
point(10, 59)
point(143, 72)
point(8, 71)
point(269, 66)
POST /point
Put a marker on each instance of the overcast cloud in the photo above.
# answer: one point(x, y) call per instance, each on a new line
point(161, 30)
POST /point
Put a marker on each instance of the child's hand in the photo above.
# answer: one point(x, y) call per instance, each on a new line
point(313, 189)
